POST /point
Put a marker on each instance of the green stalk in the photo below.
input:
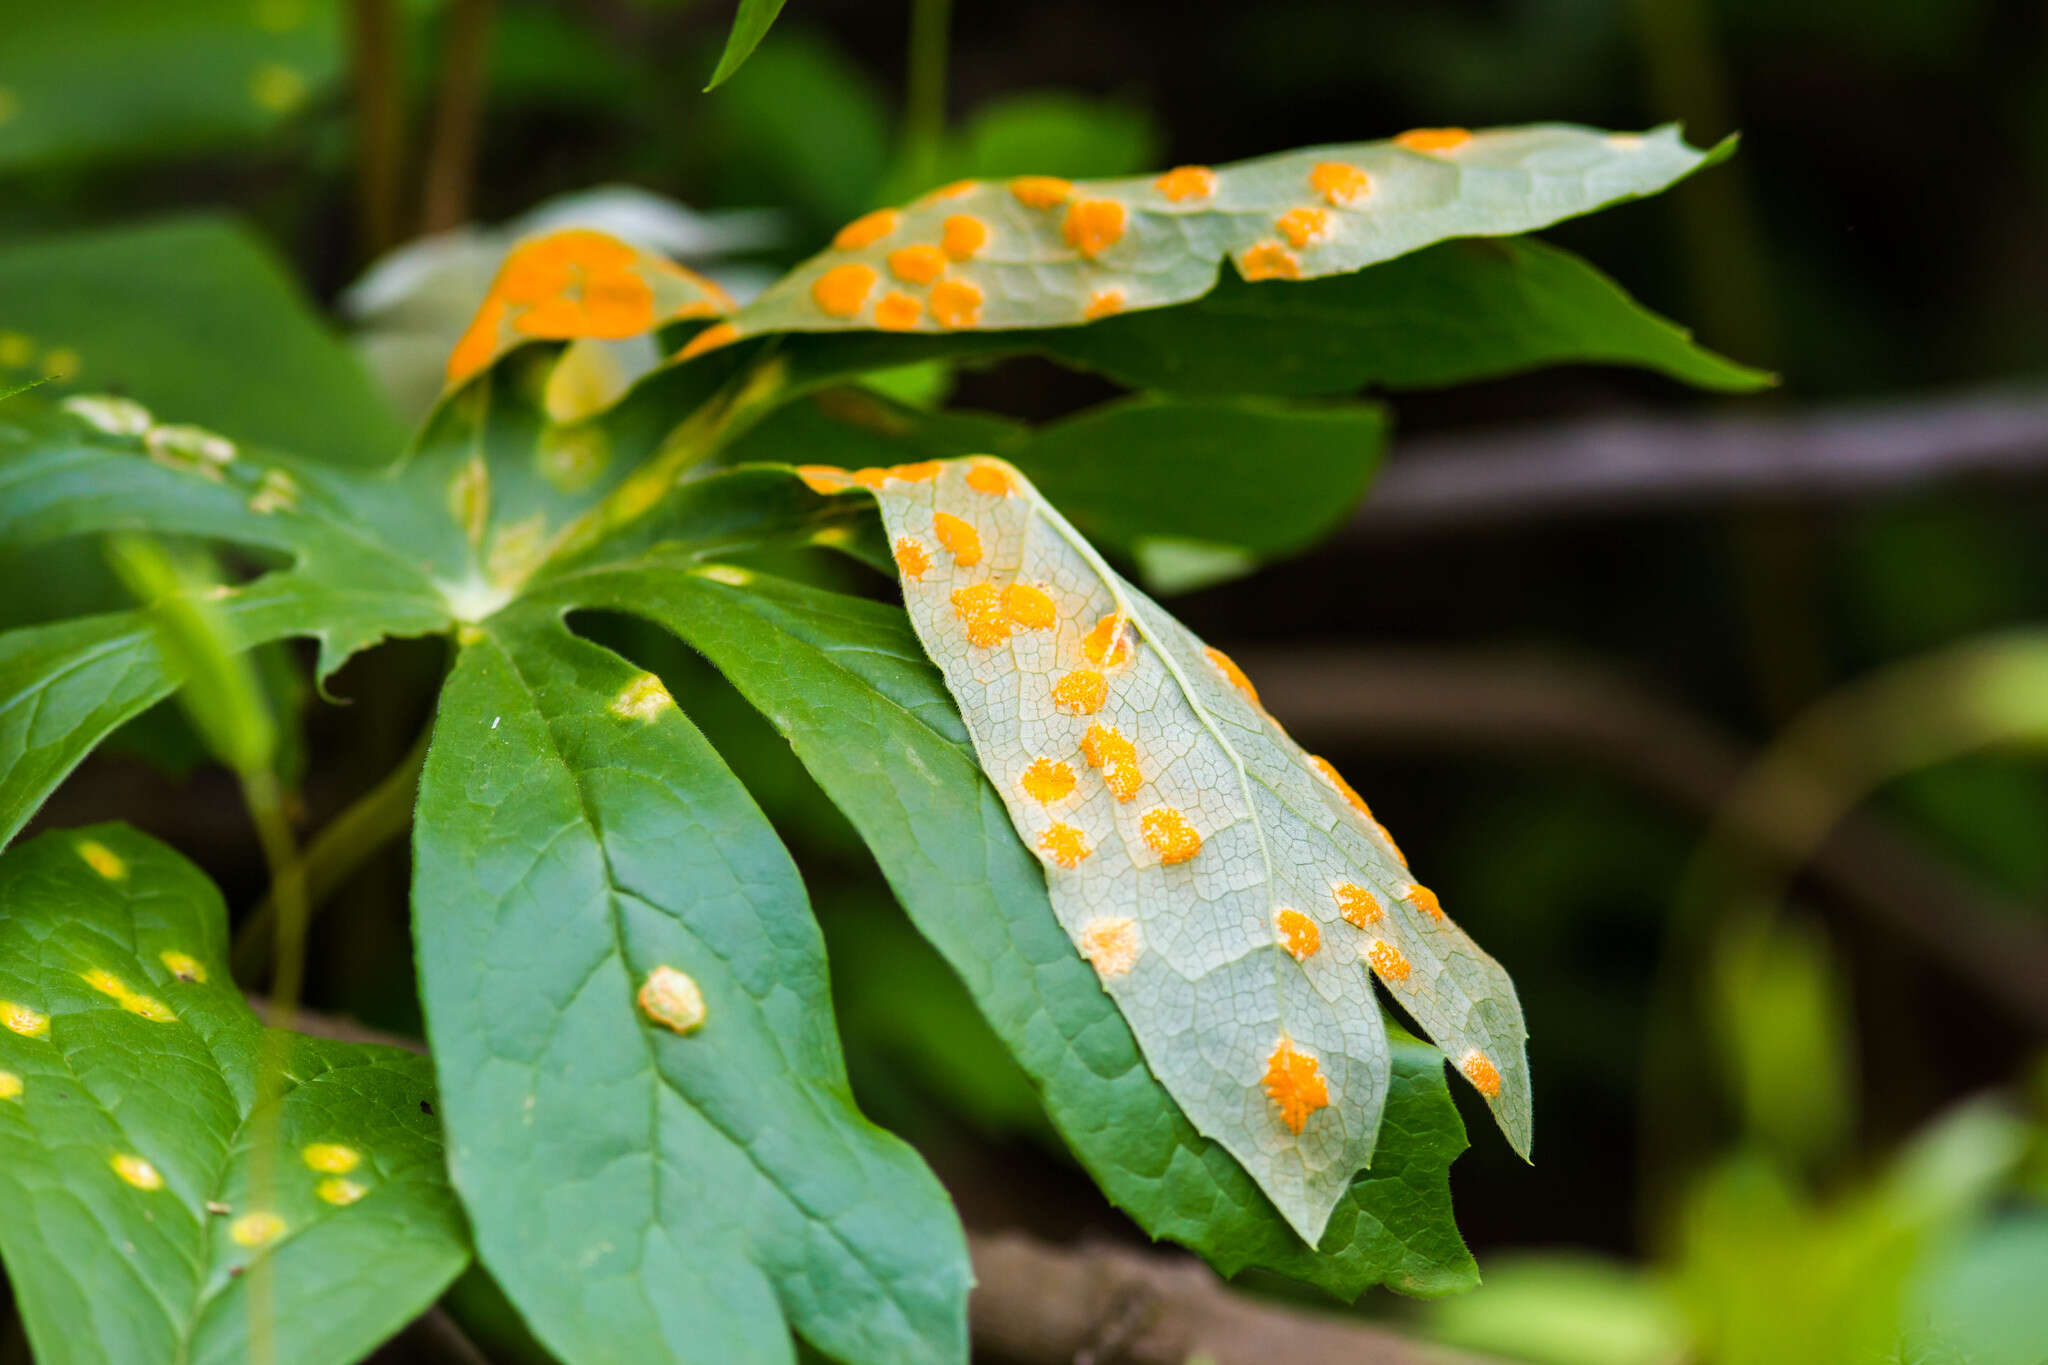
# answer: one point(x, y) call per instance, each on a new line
point(924, 105)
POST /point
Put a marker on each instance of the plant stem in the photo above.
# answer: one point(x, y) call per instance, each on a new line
point(924, 104)
point(373, 820)
point(458, 117)
point(379, 120)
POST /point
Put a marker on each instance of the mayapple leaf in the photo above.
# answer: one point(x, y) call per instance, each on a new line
point(648, 1114)
point(1233, 894)
point(138, 1213)
point(1039, 251)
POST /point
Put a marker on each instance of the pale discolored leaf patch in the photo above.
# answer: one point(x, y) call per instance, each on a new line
point(1234, 895)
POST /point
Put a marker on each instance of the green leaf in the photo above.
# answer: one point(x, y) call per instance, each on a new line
point(1043, 252)
point(131, 77)
point(196, 318)
point(749, 26)
point(649, 1117)
point(869, 716)
point(129, 1128)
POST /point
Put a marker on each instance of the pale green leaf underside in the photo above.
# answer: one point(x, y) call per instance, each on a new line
point(1211, 991)
point(1047, 258)
point(148, 1267)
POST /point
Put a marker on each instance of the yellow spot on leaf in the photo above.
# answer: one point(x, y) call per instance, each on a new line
point(824, 478)
point(148, 1006)
point(726, 574)
point(1064, 844)
point(136, 1171)
point(898, 311)
point(1104, 303)
point(1269, 261)
point(184, 966)
point(1433, 139)
point(256, 1229)
point(102, 859)
point(924, 471)
point(1298, 933)
point(642, 699)
point(1386, 959)
point(1110, 945)
point(1340, 183)
point(960, 538)
point(956, 303)
point(962, 236)
point(62, 363)
point(1336, 779)
point(866, 230)
point(912, 559)
point(16, 350)
point(114, 416)
point(992, 479)
point(1357, 904)
point(1294, 1083)
point(1423, 899)
point(275, 492)
point(1227, 666)
point(1168, 833)
point(1041, 191)
point(1108, 642)
point(1030, 607)
point(1093, 226)
point(10, 1086)
point(1183, 183)
point(841, 291)
point(277, 87)
point(980, 607)
point(917, 264)
point(1485, 1077)
point(340, 1192)
point(710, 339)
point(21, 1019)
point(1082, 692)
point(1105, 748)
point(1304, 227)
point(331, 1158)
point(671, 999)
point(1047, 781)
point(184, 445)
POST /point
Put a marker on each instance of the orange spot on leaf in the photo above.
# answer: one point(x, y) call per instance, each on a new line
point(1269, 261)
point(1093, 226)
point(954, 190)
point(920, 263)
point(956, 303)
point(1030, 607)
point(824, 478)
point(1106, 748)
point(1041, 191)
point(1294, 1083)
point(960, 538)
point(1336, 779)
point(479, 343)
point(710, 339)
point(1339, 183)
point(912, 560)
point(1064, 844)
point(1108, 642)
point(1386, 959)
point(962, 235)
point(1082, 692)
point(1168, 833)
point(980, 607)
point(1304, 227)
point(1298, 934)
point(1227, 666)
point(576, 284)
point(991, 479)
point(874, 476)
point(898, 311)
point(1183, 183)
point(866, 230)
point(841, 291)
point(1423, 899)
point(1485, 1077)
point(1433, 139)
point(1110, 945)
point(1104, 303)
point(924, 471)
point(1046, 781)
point(1358, 905)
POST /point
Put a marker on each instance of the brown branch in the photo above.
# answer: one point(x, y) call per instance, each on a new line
point(458, 117)
point(1035, 1304)
point(1436, 484)
point(379, 120)
point(1519, 704)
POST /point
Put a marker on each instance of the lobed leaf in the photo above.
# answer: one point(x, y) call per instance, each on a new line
point(868, 715)
point(648, 1113)
point(1234, 895)
point(128, 1124)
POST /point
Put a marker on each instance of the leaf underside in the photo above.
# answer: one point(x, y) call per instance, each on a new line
point(128, 1121)
point(1236, 899)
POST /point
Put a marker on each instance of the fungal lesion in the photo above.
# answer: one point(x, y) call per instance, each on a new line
point(1295, 1084)
point(1111, 945)
point(103, 860)
point(672, 999)
point(644, 699)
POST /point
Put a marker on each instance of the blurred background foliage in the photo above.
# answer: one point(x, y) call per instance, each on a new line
point(1789, 1129)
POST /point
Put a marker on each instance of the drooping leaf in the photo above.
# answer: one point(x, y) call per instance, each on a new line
point(137, 1209)
point(128, 77)
point(1235, 896)
point(868, 714)
point(196, 318)
point(749, 26)
point(649, 1118)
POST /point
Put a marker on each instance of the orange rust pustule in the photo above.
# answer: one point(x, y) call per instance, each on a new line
point(1081, 692)
point(1104, 303)
point(1298, 934)
point(865, 230)
point(912, 559)
point(1093, 226)
point(1479, 1070)
point(992, 479)
point(959, 537)
point(479, 343)
point(954, 190)
point(1304, 227)
point(824, 478)
point(1041, 191)
point(898, 311)
point(980, 607)
point(1183, 183)
point(956, 303)
point(1433, 139)
point(919, 263)
point(841, 291)
point(710, 339)
point(1269, 261)
point(1064, 844)
point(1047, 780)
point(1168, 834)
point(574, 284)
point(962, 235)
point(1387, 960)
point(1340, 183)
point(1111, 945)
point(1030, 607)
point(1106, 749)
point(1294, 1083)
point(923, 471)
point(1227, 666)
point(1108, 642)
point(1358, 905)
point(1424, 899)
point(1336, 779)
